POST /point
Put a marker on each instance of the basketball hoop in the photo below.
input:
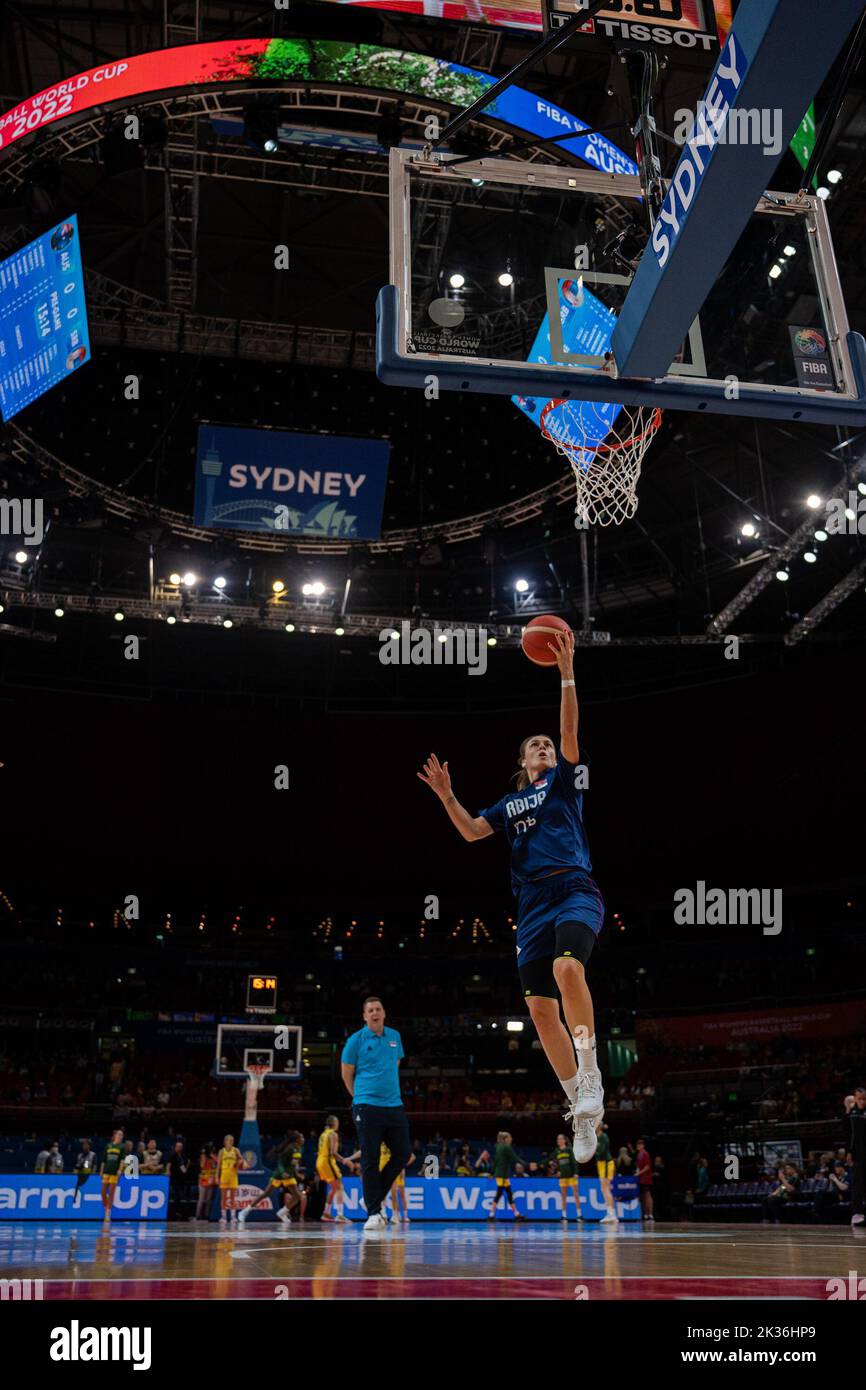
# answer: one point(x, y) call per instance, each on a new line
point(605, 458)
point(256, 1072)
point(257, 1076)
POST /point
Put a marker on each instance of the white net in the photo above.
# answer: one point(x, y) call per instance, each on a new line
point(605, 452)
point(254, 1084)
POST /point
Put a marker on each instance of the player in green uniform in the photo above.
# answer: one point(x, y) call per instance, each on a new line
point(109, 1170)
point(606, 1171)
point(503, 1166)
point(285, 1178)
point(568, 1180)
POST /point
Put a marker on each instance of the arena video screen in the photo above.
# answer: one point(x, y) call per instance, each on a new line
point(700, 22)
point(43, 317)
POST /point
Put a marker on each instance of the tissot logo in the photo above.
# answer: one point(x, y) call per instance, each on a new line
point(77, 1343)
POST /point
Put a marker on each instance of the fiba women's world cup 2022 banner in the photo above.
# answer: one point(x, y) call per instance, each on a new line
point(283, 61)
point(834, 1020)
point(327, 486)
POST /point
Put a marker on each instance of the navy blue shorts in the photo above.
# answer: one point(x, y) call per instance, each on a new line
point(543, 905)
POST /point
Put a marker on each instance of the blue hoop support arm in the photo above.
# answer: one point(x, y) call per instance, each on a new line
point(522, 379)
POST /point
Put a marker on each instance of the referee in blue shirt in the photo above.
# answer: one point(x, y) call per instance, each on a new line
point(371, 1066)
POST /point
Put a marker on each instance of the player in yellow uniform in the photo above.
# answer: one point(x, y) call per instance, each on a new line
point(109, 1170)
point(328, 1159)
point(398, 1187)
point(229, 1161)
point(567, 1171)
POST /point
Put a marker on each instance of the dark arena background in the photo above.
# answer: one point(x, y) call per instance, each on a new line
point(215, 846)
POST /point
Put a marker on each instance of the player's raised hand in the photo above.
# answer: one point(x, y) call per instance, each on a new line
point(436, 776)
point(562, 647)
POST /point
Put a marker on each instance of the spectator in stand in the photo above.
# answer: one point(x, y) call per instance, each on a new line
point(178, 1168)
point(783, 1193)
point(482, 1164)
point(41, 1160)
point(463, 1168)
point(837, 1193)
point(54, 1161)
point(151, 1160)
point(702, 1179)
point(855, 1108)
point(660, 1189)
point(644, 1168)
point(625, 1166)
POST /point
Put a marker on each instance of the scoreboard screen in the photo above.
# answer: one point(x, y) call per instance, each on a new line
point(698, 24)
point(261, 994)
point(685, 23)
point(43, 317)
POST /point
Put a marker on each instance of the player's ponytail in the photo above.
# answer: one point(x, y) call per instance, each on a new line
point(521, 773)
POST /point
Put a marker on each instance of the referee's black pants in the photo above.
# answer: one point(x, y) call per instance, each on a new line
point(377, 1125)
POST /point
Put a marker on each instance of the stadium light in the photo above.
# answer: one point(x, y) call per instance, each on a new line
point(457, 281)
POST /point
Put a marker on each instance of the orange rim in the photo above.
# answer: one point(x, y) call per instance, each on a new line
point(601, 448)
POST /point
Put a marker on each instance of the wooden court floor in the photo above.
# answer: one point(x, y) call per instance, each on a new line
point(465, 1260)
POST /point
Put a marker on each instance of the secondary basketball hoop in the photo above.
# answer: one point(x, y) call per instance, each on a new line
point(606, 472)
point(256, 1074)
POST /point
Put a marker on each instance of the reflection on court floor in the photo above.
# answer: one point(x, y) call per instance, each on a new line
point(433, 1261)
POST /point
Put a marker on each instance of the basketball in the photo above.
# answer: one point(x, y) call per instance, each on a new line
point(536, 636)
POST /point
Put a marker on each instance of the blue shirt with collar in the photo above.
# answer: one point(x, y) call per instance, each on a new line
point(376, 1058)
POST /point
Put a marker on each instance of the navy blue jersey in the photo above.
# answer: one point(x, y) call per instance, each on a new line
point(544, 825)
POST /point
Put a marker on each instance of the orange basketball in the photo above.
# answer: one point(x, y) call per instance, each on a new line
point(536, 636)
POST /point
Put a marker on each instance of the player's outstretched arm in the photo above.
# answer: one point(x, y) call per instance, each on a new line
point(563, 649)
point(437, 777)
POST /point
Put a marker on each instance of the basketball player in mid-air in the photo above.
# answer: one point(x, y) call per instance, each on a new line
point(559, 908)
